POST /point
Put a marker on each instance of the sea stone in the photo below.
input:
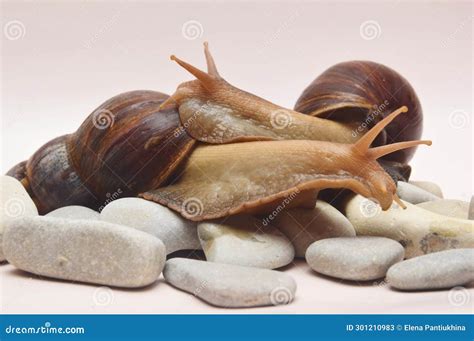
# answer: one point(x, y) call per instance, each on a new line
point(445, 269)
point(429, 187)
point(414, 194)
point(354, 258)
point(230, 286)
point(244, 240)
point(420, 231)
point(303, 226)
point(448, 207)
point(14, 203)
point(90, 251)
point(176, 232)
point(74, 212)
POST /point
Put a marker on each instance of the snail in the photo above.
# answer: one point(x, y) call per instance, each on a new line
point(256, 177)
point(367, 92)
point(127, 145)
point(149, 136)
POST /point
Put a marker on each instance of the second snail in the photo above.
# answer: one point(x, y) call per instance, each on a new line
point(220, 145)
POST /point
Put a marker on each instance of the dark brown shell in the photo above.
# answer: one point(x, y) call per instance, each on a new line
point(126, 146)
point(365, 92)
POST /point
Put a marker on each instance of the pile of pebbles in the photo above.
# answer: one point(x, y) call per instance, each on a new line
point(130, 244)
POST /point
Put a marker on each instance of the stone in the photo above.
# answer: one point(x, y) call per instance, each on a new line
point(354, 258)
point(429, 187)
point(244, 240)
point(176, 232)
point(448, 207)
point(439, 270)
point(74, 212)
point(230, 286)
point(304, 226)
point(15, 202)
point(420, 231)
point(89, 251)
point(414, 194)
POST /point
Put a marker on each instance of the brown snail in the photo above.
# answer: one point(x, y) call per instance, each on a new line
point(367, 92)
point(127, 144)
point(149, 147)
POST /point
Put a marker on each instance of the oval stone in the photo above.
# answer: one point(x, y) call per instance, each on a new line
point(356, 258)
point(74, 212)
point(90, 251)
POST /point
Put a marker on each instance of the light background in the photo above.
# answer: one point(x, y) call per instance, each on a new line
point(61, 59)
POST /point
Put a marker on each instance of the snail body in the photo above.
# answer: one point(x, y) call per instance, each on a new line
point(126, 145)
point(366, 92)
point(227, 179)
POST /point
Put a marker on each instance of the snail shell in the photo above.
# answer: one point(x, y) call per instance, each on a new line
point(366, 92)
point(126, 146)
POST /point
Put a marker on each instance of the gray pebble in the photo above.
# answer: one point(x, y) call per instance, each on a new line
point(303, 226)
point(356, 258)
point(244, 240)
point(176, 232)
point(74, 212)
point(230, 286)
point(444, 269)
point(471, 209)
point(15, 202)
point(414, 194)
point(84, 250)
point(429, 187)
point(448, 207)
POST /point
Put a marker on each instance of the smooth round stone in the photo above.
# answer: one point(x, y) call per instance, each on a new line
point(176, 232)
point(303, 226)
point(14, 203)
point(74, 212)
point(84, 250)
point(429, 187)
point(230, 286)
point(448, 207)
point(445, 269)
point(414, 194)
point(244, 240)
point(420, 231)
point(356, 258)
